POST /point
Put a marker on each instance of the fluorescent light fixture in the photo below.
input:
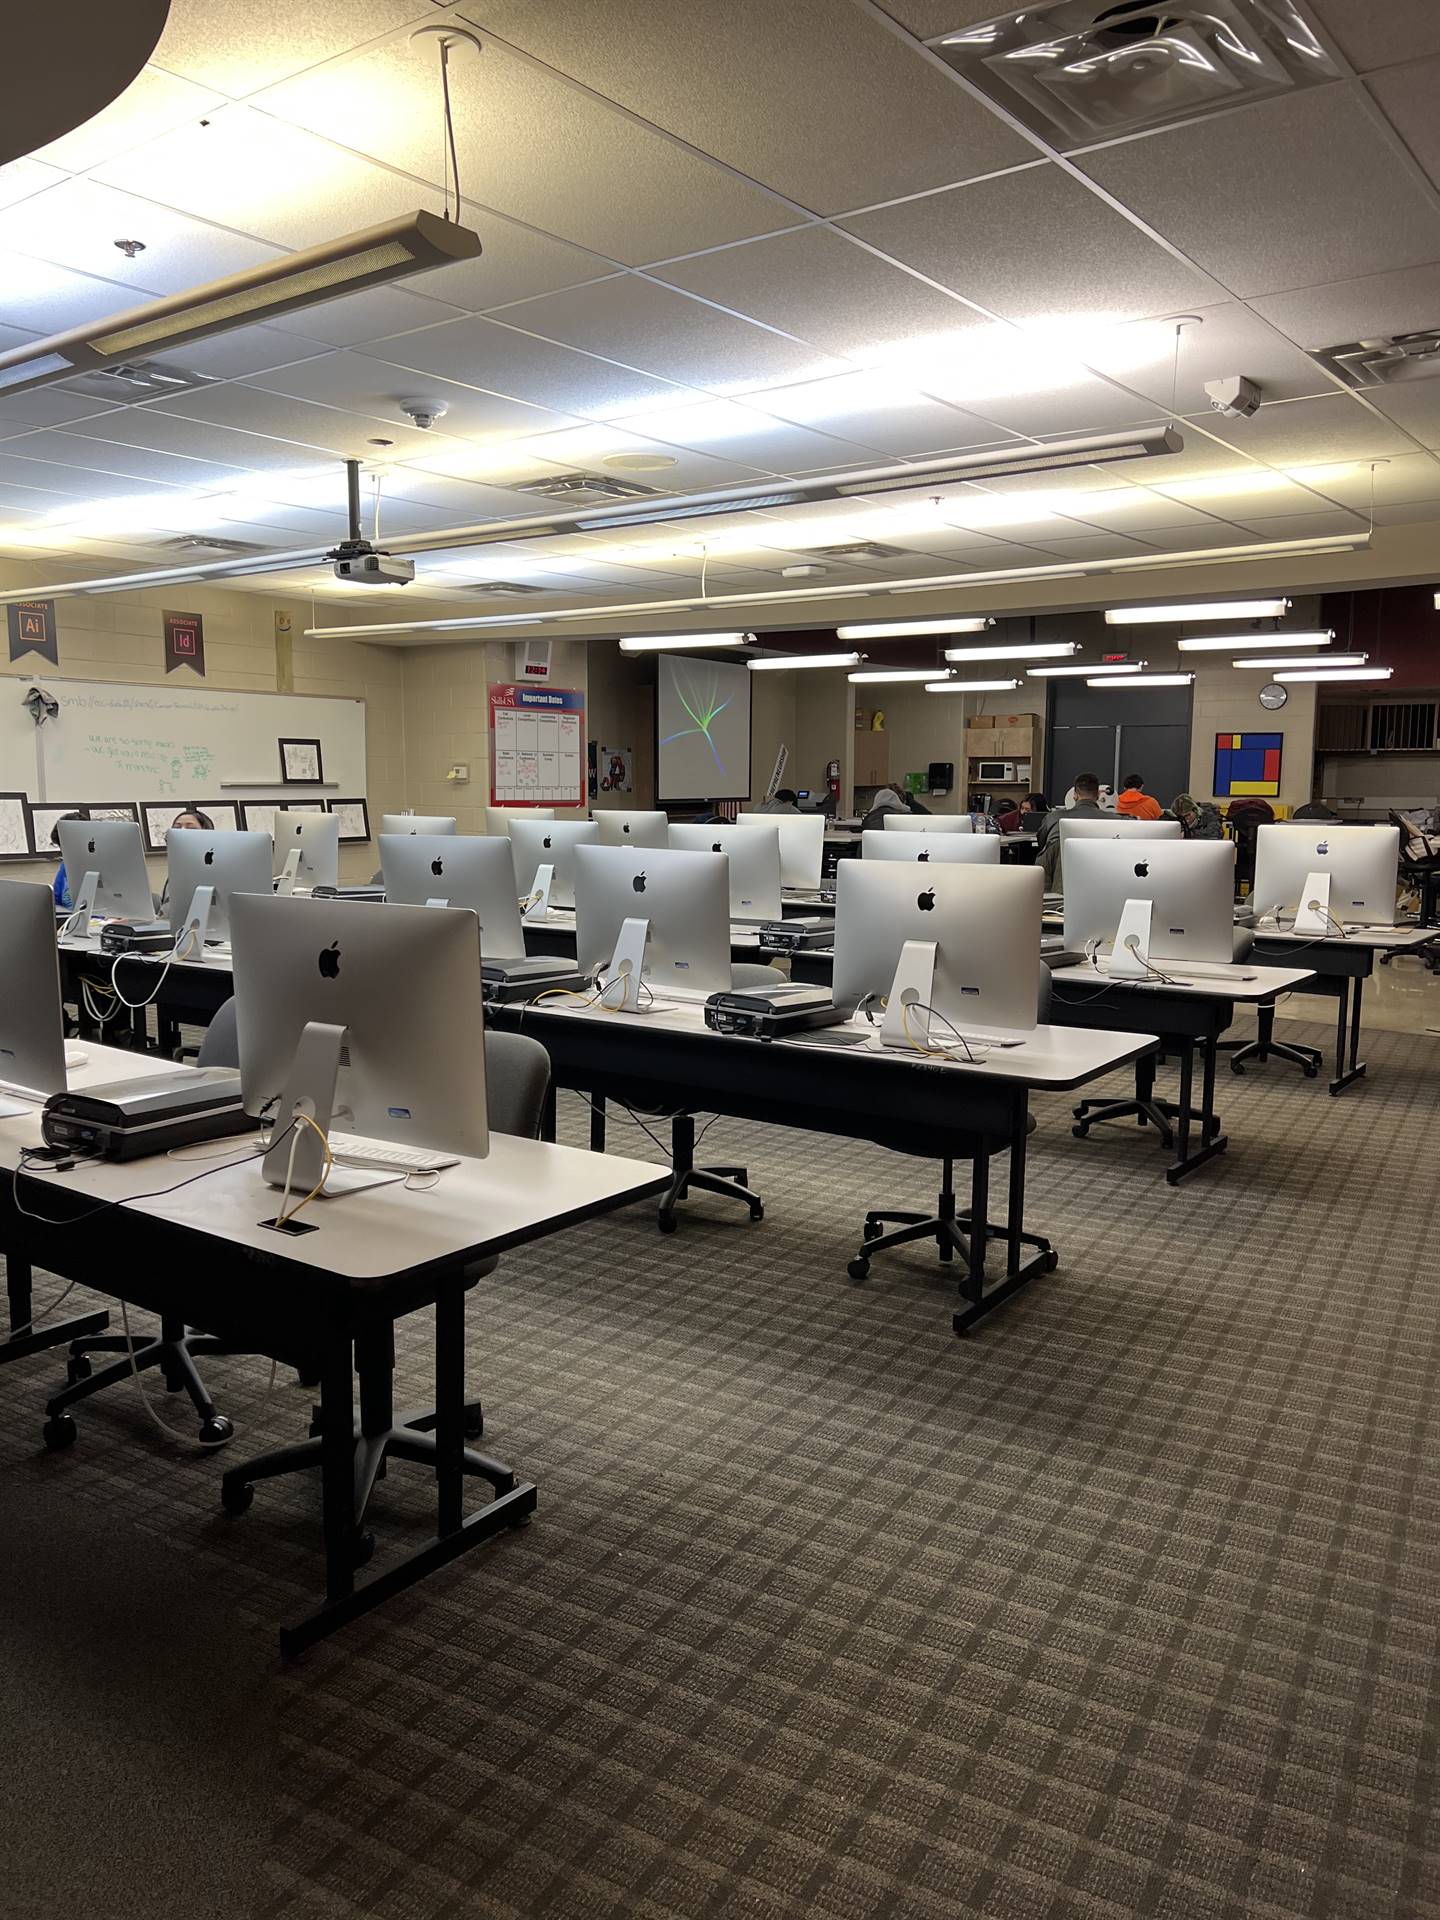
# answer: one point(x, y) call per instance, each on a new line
point(661, 642)
point(1141, 680)
point(1109, 669)
point(897, 674)
point(1199, 610)
point(1325, 660)
point(907, 629)
point(1321, 674)
point(971, 686)
point(1052, 456)
point(1437, 603)
point(779, 662)
point(1058, 651)
point(295, 281)
point(1230, 642)
point(696, 510)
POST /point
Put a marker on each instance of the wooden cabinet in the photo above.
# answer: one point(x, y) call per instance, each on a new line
point(872, 758)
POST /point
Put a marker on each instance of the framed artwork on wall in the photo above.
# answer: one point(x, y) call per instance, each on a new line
point(354, 818)
point(1248, 764)
point(301, 764)
point(158, 816)
point(16, 833)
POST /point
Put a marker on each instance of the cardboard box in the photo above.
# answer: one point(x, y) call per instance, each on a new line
point(982, 720)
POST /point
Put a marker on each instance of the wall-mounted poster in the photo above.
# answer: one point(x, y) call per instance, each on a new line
point(184, 641)
point(15, 840)
point(537, 747)
point(617, 769)
point(32, 629)
point(1248, 763)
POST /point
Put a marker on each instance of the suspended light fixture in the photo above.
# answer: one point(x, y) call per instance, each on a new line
point(909, 629)
point(971, 686)
point(662, 642)
point(782, 662)
point(1199, 610)
point(1036, 650)
point(1228, 642)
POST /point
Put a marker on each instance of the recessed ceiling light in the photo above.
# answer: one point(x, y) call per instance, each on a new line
point(1199, 610)
point(1228, 642)
point(640, 462)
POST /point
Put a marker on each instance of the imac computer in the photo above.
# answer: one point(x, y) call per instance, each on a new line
point(928, 823)
point(651, 912)
point(802, 845)
point(477, 872)
point(1176, 897)
point(369, 1016)
point(1116, 827)
point(632, 827)
point(431, 823)
point(316, 838)
point(1326, 875)
point(114, 853)
point(961, 942)
point(32, 1028)
point(550, 843)
point(969, 849)
point(205, 870)
point(498, 819)
point(754, 865)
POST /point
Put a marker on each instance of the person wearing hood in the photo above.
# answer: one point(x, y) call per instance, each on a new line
point(886, 801)
point(1198, 819)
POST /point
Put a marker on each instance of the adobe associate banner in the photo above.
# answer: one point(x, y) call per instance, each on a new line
point(32, 629)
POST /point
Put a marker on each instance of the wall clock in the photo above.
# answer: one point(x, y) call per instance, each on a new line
point(1272, 698)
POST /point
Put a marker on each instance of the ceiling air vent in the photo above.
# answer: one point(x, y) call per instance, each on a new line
point(209, 543)
point(588, 489)
point(136, 380)
point(502, 589)
point(1078, 70)
point(858, 550)
point(1385, 362)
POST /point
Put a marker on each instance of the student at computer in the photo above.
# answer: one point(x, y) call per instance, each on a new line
point(1198, 819)
point(194, 820)
point(62, 883)
point(785, 801)
point(1133, 801)
point(1086, 806)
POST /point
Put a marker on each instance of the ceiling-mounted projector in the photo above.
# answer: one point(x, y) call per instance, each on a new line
point(374, 569)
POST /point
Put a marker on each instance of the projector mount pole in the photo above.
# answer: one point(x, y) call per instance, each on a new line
point(353, 537)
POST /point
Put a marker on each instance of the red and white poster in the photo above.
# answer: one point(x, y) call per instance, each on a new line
point(537, 747)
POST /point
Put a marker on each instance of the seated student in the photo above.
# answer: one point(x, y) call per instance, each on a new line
point(1033, 809)
point(1087, 807)
point(1133, 801)
point(886, 801)
point(784, 801)
point(1314, 810)
point(1198, 819)
point(62, 883)
point(191, 819)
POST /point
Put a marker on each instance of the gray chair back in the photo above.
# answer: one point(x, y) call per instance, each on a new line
point(748, 974)
point(220, 1048)
point(517, 1079)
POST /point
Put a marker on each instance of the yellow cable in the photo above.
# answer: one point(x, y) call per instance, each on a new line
point(284, 1219)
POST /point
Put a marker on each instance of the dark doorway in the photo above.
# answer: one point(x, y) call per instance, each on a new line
point(1099, 730)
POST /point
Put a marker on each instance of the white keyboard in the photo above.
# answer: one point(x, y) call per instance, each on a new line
point(386, 1156)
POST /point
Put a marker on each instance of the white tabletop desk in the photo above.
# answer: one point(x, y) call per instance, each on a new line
point(375, 1255)
point(670, 1061)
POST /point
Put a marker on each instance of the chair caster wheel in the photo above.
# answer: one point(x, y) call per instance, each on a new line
point(59, 1432)
point(859, 1268)
point(310, 1380)
point(1311, 1072)
point(77, 1368)
point(474, 1424)
point(870, 1230)
point(757, 1212)
point(666, 1222)
point(237, 1499)
point(215, 1430)
point(1235, 1067)
point(362, 1546)
point(1052, 1261)
point(1080, 1132)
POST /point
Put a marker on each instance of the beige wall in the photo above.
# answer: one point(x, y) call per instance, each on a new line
point(1228, 700)
point(620, 712)
point(772, 725)
point(824, 729)
point(118, 636)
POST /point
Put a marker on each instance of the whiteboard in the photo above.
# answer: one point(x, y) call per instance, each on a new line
point(112, 741)
point(703, 723)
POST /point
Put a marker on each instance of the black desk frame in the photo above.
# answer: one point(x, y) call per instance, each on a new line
point(1339, 973)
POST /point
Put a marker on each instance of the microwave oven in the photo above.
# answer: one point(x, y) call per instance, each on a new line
point(999, 770)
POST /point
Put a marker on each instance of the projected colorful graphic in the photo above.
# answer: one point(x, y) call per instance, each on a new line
point(703, 729)
point(1247, 763)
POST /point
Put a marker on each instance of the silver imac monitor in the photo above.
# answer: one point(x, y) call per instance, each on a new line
point(317, 837)
point(1190, 885)
point(984, 923)
point(802, 845)
point(431, 823)
point(683, 897)
point(1361, 862)
point(498, 819)
point(404, 985)
point(460, 870)
point(928, 823)
point(535, 843)
point(754, 865)
point(228, 862)
point(114, 850)
point(1116, 827)
point(32, 1028)
point(971, 849)
point(632, 827)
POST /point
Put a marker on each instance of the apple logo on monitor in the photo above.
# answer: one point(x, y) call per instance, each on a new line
point(924, 854)
point(1323, 847)
point(638, 883)
point(437, 866)
point(1142, 869)
point(209, 856)
point(546, 843)
point(926, 901)
point(717, 846)
point(299, 828)
point(90, 846)
point(329, 961)
point(624, 826)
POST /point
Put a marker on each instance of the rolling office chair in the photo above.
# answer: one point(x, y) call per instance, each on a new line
point(948, 1226)
point(731, 1183)
point(517, 1076)
point(175, 1350)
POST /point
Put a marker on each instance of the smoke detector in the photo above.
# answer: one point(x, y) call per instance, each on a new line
point(424, 413)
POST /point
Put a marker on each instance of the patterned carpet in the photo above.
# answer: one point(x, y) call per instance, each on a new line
point(1125, 1606)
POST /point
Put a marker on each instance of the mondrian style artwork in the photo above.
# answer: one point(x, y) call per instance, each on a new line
point(1247, 763)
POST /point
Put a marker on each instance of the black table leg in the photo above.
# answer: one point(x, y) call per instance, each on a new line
point(1212, 1141)
point(21, 1337)
point(976, 1302)
point(547, 1117)
point(337, 1467)
point(1347, 1036)
point(597, 1123)
point(449, 1411)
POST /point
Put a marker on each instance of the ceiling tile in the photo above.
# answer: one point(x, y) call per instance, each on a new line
point(1244, 490)
point(230, 356)
point(488, 354)
point(1229, 339)
point(1407, 94)
point(1083, 406)
point(517, 264)
point(1035, 245)
point(1090, 547)
point(1129, 509)
point(1414, 512)
point(1415, 406)
point(1195, 539)
point(735, 432)
point(163, 432)
point(239, 49)
point(380, 313)
point(870, 121)
point(1282, 195)
point(152, 104)
point(1303, 526)
point(1293, 432)
point(296, 422)
point(1411, 477)
point(70, 463)
point(533, 148)
point(77, 224)
point(1367, 309)
point(586, 449)
point(45, 407)
point(1379, 33)
point(646, 325)
point(928, 18)
point(821, 286)
point(364, 385)
point(49, 299)
point(873, 410)
point(24, 177)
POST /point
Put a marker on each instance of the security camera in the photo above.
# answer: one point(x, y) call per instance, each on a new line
point(424, 413)
point(1234, 396)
